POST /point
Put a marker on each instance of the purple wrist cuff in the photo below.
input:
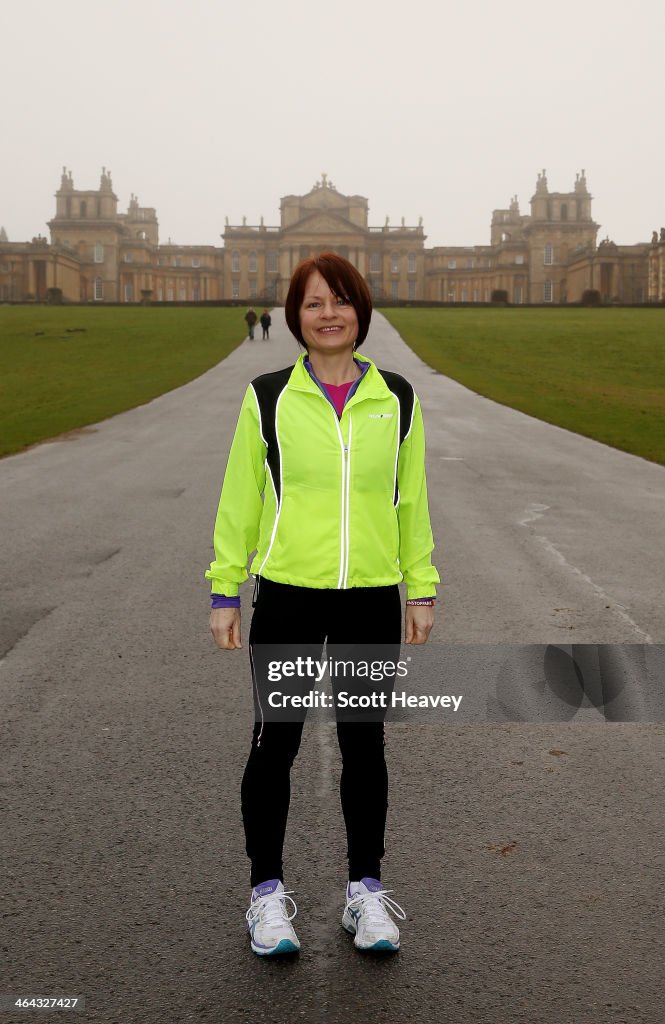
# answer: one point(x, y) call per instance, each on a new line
point(221, 601)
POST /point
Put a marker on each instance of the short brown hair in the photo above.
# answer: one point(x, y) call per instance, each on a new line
point(343, 280)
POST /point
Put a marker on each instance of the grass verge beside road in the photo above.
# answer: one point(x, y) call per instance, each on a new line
point(66, 367)
point(598, 372)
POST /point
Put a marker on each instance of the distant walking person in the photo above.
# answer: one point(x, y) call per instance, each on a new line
point(265, 325)
point(251, 318)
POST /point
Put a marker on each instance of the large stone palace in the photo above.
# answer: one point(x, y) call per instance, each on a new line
point(550, 255)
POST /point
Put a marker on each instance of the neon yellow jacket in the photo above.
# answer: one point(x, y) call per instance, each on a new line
point(325, 502)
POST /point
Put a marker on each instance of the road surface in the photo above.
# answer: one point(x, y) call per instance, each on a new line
point(528, 855)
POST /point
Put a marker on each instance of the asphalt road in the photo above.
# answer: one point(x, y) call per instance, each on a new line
point(528, 855)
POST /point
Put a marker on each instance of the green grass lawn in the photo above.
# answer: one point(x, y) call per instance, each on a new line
point(598, 372)
point(65, 367)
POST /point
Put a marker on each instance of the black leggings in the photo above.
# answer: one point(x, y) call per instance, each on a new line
point(302, 615)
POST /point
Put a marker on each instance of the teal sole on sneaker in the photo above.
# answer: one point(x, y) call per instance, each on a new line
point(284, 947)
point(382, 946)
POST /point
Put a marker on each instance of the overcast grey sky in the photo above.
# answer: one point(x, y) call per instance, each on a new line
point(207, 109)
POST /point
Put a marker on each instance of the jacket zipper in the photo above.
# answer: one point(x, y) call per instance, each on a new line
point(342, 532)
point(346, 472)
point(345, 450)
point(347, 457)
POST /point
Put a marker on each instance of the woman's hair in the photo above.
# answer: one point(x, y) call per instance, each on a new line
point(343, 280)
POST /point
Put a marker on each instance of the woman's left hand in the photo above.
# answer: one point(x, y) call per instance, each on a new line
point(419, 621)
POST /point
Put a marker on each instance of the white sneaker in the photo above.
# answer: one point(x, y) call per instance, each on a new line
point(366, 916)
point(269, 924)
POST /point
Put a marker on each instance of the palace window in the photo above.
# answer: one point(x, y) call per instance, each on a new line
point(411, 263)
point(99, 252)
point(83, 209)
point(476, 295)
point(469, 264)
point(196, 295)
point(517, 295)
point(547, 291)
point(452, 264)
point(394, 263)
point(394, 289)
point(252, 262)
point(451, 296)
point(196, 262)
point(182, 295)
point(464, 297)
point(271, 262)
point(252, 289)
point(160, 294)
point(235, 289)
point(129, 292)
point(412, 289)
point(486, 295)
point(178, 261)
point(235, 262)
point(564, 211)
point(169, 294)
point(99, 289)
point(127, 257)
point(375, 263)
point(548, 256)
point(519, 259)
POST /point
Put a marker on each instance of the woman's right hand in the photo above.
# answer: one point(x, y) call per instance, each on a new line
point(225, 628)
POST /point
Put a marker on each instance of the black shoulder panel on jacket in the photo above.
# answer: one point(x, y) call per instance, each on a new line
point(406, 397)
point(268, 387)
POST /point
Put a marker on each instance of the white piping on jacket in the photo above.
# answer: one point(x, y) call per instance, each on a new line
point(413, 410)
point(397, 447)
point(281, 478)
point(258, 410)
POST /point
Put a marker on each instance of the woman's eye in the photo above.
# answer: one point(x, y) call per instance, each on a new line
point(342, 302)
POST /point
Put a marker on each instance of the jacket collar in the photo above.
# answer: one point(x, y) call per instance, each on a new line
point(372, 384)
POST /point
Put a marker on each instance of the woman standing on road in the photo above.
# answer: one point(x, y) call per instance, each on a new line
point(326, 481)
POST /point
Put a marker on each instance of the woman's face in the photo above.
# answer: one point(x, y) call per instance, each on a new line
point(328, 324)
